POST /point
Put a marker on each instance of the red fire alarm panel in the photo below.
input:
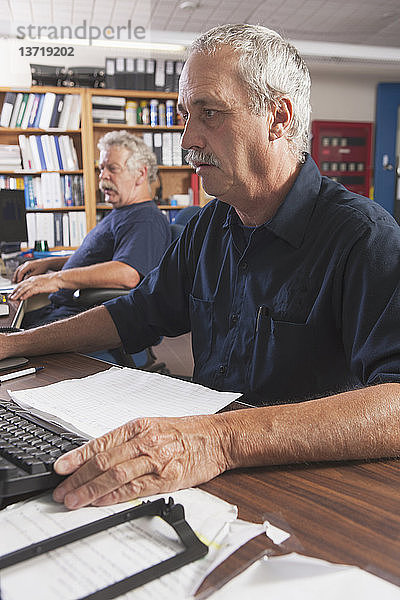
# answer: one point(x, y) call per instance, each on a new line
point(342, 151)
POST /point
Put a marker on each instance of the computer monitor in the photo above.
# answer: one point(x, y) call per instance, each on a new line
point(12, 216)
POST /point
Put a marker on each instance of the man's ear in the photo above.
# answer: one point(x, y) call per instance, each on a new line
point(141, 174)
point(282, 115)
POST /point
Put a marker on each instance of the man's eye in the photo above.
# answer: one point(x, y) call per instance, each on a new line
point(184, 116)
point(210, 113)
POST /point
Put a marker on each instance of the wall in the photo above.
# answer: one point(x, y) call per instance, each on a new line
point(347, 93)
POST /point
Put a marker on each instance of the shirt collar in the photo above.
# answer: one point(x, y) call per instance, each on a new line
point(291, 219)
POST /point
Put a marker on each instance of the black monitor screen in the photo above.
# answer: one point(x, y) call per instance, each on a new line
point(12, 216)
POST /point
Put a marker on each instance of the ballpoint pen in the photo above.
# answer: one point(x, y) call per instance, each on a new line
point(20, 373)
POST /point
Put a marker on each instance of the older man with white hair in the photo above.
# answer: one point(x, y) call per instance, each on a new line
point(288, 282)
point(124, 247)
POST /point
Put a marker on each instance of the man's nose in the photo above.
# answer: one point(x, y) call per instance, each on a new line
point(192, 136)
point(104, 173)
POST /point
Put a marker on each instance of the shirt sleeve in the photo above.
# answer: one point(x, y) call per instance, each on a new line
point(141, 243)
point(371, 304)
point(159, 305)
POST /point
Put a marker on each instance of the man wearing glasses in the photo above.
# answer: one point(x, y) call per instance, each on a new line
point(126, 245)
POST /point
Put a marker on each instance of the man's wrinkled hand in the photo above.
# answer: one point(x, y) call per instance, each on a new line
point(143, 457)
point(38, 284)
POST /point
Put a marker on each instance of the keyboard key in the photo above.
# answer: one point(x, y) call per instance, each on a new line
point(66, 446)
point(44, 447)
point(54, 453)
point(29, 427)
point(35, 466)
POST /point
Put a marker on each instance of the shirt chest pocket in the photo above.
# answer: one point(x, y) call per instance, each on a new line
point(294, 302)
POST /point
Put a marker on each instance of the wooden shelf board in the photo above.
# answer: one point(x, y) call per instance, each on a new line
point(33, 130)
point(22, 173)
point(56, 209)
point(166, 167)
point(137, 127)
point(146, 94)
point(160, 206)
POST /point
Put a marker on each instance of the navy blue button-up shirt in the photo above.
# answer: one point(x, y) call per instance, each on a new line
point(301, 307)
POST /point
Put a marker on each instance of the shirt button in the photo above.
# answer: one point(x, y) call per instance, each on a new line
point(222, 369)
point(243, 266)
point(235, 318)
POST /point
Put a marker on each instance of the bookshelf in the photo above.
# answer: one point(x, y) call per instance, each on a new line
point(53, 177)
point(176, 178)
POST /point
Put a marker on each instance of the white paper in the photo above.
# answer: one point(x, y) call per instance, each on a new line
point(101, 402)
point(295, 577)
point(278, 536)
point(79, 568)
point(6, 285)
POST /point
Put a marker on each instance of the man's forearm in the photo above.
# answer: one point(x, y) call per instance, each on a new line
point(363, 423)
point(91, 330)
point(108, 274)
point(56, 262)
point(157, 455)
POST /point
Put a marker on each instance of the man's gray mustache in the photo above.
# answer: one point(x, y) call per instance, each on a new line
point(196, 157)
point(107, 186)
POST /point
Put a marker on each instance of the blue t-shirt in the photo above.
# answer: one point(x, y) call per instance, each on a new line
point(307, 306)
point(137, 235)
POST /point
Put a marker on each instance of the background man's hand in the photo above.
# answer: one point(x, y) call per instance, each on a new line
point(37, 284)
point(143, 457)
point(30, 268)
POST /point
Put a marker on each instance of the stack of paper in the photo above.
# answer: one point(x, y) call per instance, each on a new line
point(81, 568)
point(96, 404)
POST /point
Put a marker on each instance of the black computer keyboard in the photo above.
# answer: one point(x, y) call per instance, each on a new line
point(29, 446)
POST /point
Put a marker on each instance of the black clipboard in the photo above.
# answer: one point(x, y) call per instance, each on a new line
point(171, 513)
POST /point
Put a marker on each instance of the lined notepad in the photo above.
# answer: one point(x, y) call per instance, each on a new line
point(96, 404)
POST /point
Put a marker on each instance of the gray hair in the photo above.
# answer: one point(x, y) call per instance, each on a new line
point(271, 68)
point(141, 155)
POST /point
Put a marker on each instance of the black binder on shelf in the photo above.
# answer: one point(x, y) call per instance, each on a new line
point(58, 106)
point(130, 75)
point(178, 66)
point(157, 146)
point(110, 73)
point(159, 75)
point(47, 75)
point(7, 109)
point(171, 513)
point(120, 77)
point(150, 74)
point(93, 77)
point(140, 71)
point(169, 75)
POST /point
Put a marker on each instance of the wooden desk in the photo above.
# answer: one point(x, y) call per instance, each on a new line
point(341, 512)
point(15, 316)
point(18, 309)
